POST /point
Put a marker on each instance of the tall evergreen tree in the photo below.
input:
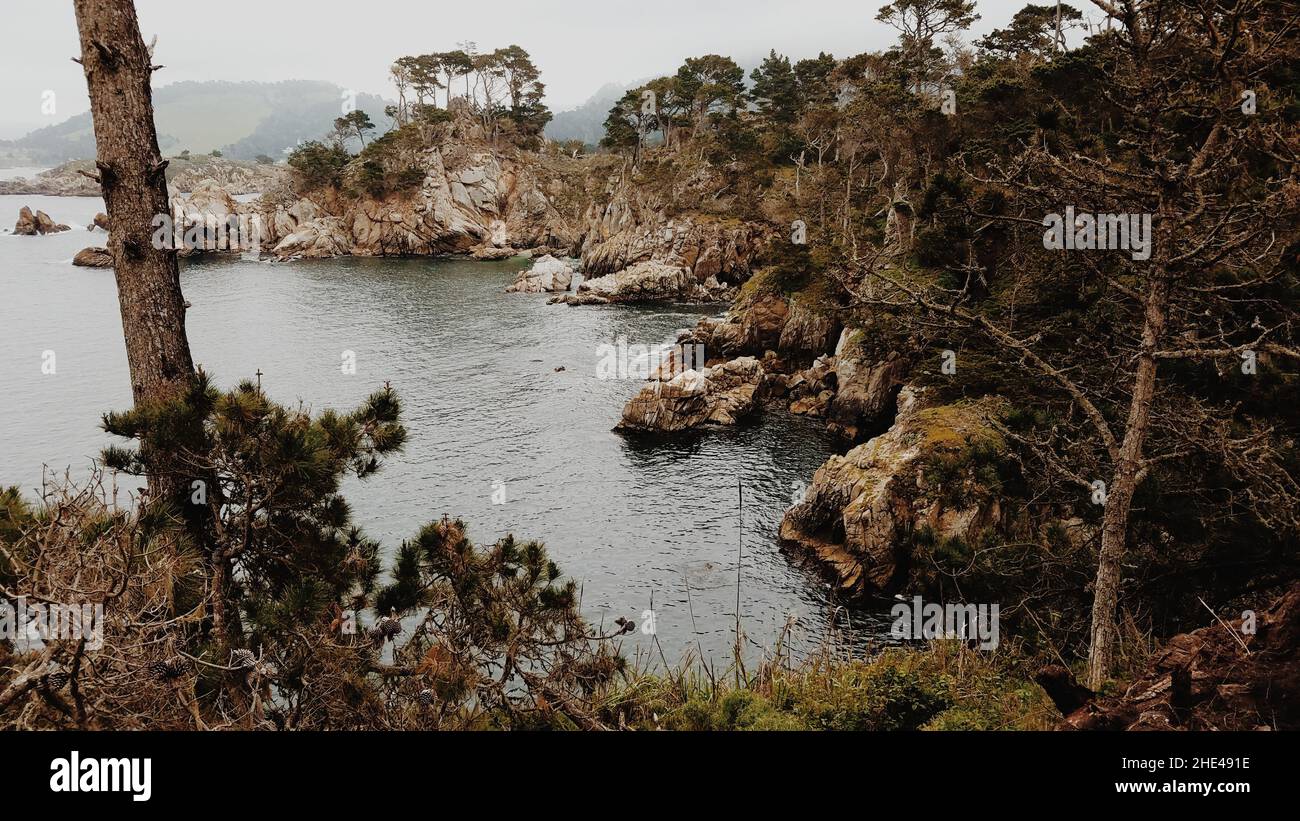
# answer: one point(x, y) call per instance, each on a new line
point(132, 176)
point(712, 84)
point(775, 90)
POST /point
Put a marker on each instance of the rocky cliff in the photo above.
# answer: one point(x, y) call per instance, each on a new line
point(861, 514)
point(472, 199)
point(636, 229)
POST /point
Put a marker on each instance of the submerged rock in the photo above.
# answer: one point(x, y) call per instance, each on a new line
point(578, 299)
point(812, 405)
point(493, 252)
point(859, 514)
point(93, 258)
point(548, 274)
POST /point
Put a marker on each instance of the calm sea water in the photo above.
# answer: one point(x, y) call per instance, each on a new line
point(487, 411)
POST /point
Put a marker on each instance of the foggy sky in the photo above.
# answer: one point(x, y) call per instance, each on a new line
point(579, 45)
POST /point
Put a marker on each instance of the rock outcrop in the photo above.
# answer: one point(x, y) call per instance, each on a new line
point(493, 252)
point(811, 390)
point(718, 395)
point(644, 282)
point(795, 342)
point(765, 322)
point(209, 220)
point(638, 224)
point(26, 225)
point(762, 322)
point(93, 258)
point(807, 333)
point(548, 274)
point(860, 512)
point(317, 239)
point(30, 225)
point(623, 234)
point(865, 390)
point(721, 337)
point(471, 200)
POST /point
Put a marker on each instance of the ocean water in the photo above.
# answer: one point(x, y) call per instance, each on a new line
point(498, 435)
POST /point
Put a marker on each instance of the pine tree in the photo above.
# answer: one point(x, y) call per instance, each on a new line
point(775, 90)
point(131, 173)
point(270, 478)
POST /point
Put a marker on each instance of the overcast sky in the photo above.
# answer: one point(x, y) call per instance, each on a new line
point(578, 44)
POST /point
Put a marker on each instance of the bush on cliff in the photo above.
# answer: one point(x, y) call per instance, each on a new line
point(319, 165)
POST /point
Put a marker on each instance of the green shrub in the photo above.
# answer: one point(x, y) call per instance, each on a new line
point(319, 165)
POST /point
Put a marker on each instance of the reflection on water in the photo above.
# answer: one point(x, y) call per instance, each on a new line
point(486, 407)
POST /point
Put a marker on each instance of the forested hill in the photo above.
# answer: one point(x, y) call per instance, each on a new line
point(242, 120)
point(587, 121)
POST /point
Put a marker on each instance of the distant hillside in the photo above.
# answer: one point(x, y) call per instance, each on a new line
point(183, 173)
point(241, 120)
point(587, 121)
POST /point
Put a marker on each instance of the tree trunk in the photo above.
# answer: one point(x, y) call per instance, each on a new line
point(1124, 483)
point(131, 173)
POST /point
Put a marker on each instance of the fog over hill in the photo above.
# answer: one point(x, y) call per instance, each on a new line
point(586, 122)
point(242, 120)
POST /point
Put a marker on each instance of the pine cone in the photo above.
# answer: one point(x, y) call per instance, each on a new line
point(425, 698)
point(242, 658)
point(57, 679)
point(168, 670)
point(386, 629)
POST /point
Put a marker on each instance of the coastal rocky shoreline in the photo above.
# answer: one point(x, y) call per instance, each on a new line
point(869, 517)
point(769, 347)
point(183, 174)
